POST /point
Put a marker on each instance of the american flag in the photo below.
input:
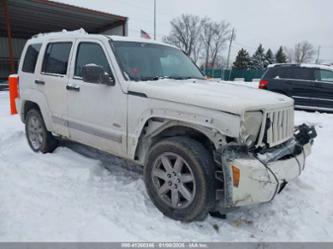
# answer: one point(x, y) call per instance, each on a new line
point(145, 35)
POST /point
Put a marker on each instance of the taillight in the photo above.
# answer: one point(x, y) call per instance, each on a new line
point(263, 84)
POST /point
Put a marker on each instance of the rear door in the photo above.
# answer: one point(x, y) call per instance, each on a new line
point(52, 81)
point(302, 85)
point(323, 94)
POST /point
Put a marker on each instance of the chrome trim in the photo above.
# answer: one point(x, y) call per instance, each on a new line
point(53, 74)
point(300, 97)
point(314, 108)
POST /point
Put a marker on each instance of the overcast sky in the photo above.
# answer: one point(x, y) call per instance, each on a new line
point(270, 22)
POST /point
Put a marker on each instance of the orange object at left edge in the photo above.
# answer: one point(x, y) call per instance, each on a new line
point(13, 81)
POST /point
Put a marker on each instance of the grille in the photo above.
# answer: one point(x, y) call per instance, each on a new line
point(282, 126)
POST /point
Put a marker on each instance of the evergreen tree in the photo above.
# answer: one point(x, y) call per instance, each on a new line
point(280, 56)
point(258, 60)
point(269, 57)
point(243, 60)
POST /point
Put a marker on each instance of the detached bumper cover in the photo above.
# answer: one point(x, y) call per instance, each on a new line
point(260, 176)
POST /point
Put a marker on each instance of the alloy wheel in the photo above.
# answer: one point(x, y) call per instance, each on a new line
point(173, 180)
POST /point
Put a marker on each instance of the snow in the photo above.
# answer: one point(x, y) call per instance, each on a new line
point(318, 66)
point(253, 84)
point(139, 40)
point(80, 194)
point(73, 33)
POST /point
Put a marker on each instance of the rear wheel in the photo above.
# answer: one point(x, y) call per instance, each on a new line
point(180, 178)
point(39, 138)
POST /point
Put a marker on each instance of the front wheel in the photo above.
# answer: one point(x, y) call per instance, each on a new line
point(39, 138)
point(180, 178)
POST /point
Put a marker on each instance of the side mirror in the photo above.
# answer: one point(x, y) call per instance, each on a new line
point(93, 73)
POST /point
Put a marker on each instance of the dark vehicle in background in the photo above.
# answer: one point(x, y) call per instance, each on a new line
point(311, 86)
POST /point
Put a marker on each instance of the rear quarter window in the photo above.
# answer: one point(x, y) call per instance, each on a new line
point(30, 58)
point(296, 73)
point(324, 75)
point(278, 72)
point(56, 58)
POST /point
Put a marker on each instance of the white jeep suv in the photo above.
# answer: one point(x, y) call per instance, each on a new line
point(206, 146)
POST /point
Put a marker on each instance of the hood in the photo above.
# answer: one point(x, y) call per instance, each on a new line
point(217, 95)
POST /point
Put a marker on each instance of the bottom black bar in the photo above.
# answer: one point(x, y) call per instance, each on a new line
point(199, 245)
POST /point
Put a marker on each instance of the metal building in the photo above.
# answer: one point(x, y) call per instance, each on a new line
point(21, 19)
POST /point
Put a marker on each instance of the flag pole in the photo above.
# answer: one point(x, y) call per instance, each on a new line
point(154, 19)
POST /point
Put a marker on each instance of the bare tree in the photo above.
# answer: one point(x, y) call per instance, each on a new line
point(197, 51)
point(214, 38)
point(185, 34)
point(290, 52)
point(207, 39)
point(304, 52)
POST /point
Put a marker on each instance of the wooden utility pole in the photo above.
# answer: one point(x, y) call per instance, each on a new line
point(11, 62)
point(229, 51)
point(318, 55)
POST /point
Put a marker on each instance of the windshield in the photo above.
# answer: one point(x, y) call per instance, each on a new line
point(145, 61)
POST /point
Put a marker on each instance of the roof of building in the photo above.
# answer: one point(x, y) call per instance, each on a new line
point(30, 17)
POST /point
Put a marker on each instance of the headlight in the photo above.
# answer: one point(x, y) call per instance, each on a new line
point(250, 127)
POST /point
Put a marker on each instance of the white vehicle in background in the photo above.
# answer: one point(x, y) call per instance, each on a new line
point(205, 146)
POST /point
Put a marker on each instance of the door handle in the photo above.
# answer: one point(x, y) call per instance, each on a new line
point(39, 82)
point(73, 88)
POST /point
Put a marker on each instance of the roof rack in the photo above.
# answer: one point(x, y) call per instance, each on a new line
point(80, 31)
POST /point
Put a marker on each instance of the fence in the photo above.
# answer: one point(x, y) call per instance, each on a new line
point(247, 75)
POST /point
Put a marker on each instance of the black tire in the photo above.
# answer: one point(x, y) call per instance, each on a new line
point(203, 168)
point(48, 143)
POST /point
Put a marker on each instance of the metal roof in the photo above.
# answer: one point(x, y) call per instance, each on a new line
point(30, 17)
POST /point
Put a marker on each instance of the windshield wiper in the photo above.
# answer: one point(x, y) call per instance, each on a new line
point(176, 77)
point(153, 78)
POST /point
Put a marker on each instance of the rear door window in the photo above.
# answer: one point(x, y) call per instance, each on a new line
point(296, 73)
point(303, 73)
point(56, 58)
point(30, 59)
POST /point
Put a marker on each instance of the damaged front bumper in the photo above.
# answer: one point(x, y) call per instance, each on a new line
point(256, 177)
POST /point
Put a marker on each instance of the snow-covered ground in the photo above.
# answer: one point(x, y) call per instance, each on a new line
point(79, 194)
